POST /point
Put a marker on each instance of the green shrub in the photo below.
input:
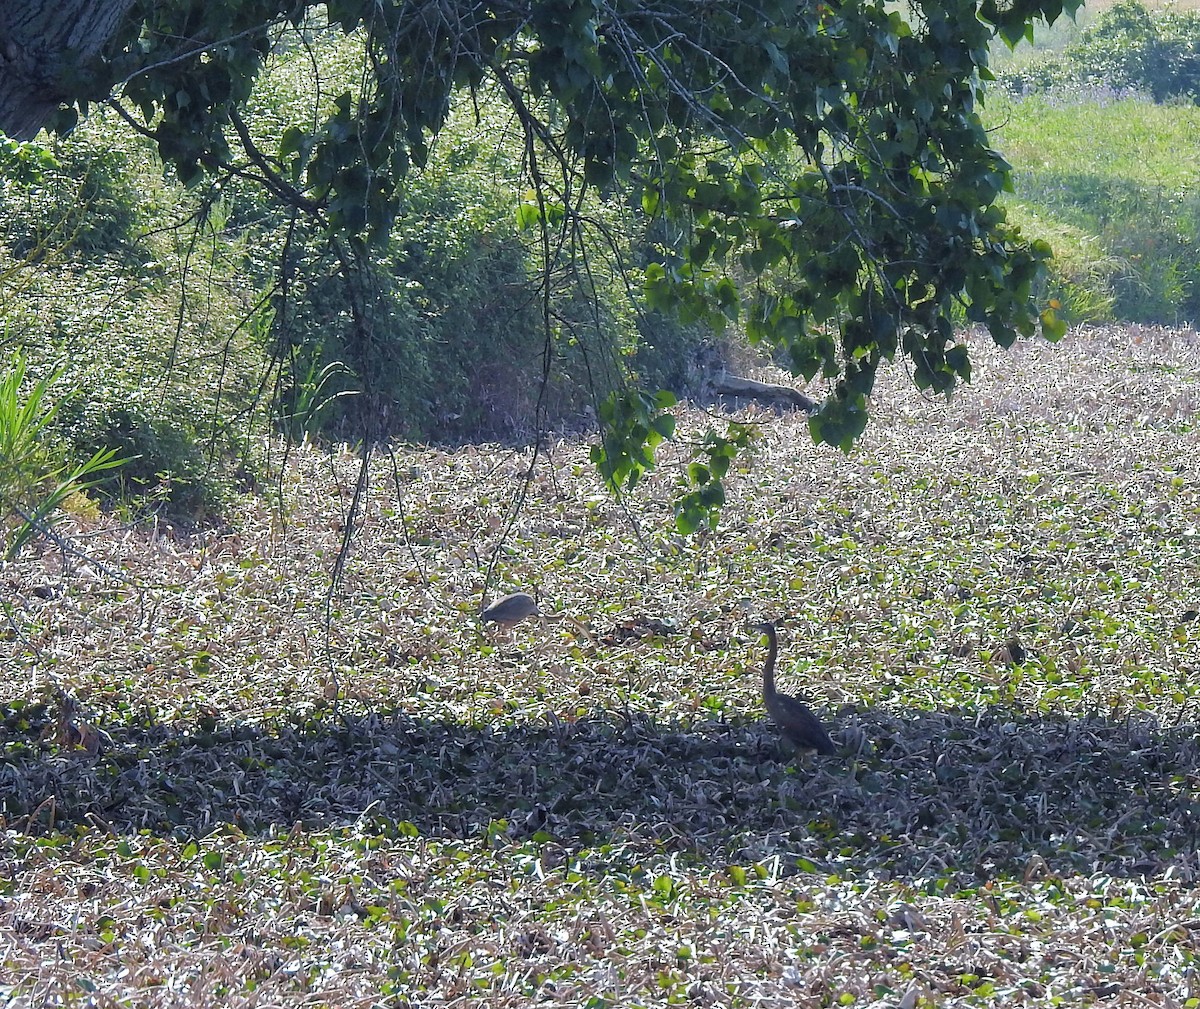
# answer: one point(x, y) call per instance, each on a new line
point(1149, 231)
point(459, 344)
point(1127, 48)
point(82, 201)
point(119, 282)
point(166, 467)
point(456, 339)
point(1132, 47)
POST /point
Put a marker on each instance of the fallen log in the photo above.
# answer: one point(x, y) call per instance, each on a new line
point(764, 392)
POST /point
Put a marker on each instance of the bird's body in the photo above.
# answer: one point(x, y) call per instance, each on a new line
point(795, 722)
point(510, 609)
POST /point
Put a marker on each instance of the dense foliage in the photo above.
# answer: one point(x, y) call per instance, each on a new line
point(834, 148)
point(1107, 179)
point(116, 279)
point(155, 299)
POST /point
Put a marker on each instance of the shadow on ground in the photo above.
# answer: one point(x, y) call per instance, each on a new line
point(989, 792)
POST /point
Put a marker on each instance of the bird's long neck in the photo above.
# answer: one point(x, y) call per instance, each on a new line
point(769, 668)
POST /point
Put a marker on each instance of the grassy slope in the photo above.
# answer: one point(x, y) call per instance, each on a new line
point(1109, 183)
point(609, 820)
point(1112, 185)
point(1119, 139)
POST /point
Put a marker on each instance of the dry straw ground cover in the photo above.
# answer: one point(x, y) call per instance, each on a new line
point(603, 820)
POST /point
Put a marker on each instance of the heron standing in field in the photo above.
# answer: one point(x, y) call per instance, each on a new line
point(795, 722)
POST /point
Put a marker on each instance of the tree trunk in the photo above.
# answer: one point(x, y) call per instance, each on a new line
point(42, 43)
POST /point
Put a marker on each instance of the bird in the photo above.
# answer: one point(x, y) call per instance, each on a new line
point(796, 723)
point(511, 609)
point(1012, 652)
point(516, 606)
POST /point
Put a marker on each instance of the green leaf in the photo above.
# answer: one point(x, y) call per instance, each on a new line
point(1053, 328)
point(292, 140)
point(664, 425)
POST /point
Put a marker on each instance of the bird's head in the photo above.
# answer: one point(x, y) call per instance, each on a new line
point(767, 627)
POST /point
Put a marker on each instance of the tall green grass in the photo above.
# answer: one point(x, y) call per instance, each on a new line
point(37, 477)
point(1114, 183)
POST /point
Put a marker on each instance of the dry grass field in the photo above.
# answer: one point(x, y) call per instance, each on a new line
point(220, 784)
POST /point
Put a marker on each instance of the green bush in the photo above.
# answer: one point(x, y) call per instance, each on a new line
point(454, 339)
point(456, 335)
point(167, 466)
point(1035, 74)
point(459, 345)
point(1127, 48)
point(1150, 231)
point(83, 202)
point(1132, 47)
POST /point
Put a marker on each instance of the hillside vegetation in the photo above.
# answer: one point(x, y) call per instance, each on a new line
point(165, 302)
point(1111, 182)
point(597, 816)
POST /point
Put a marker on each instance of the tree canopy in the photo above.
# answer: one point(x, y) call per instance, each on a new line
point(818, 172)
